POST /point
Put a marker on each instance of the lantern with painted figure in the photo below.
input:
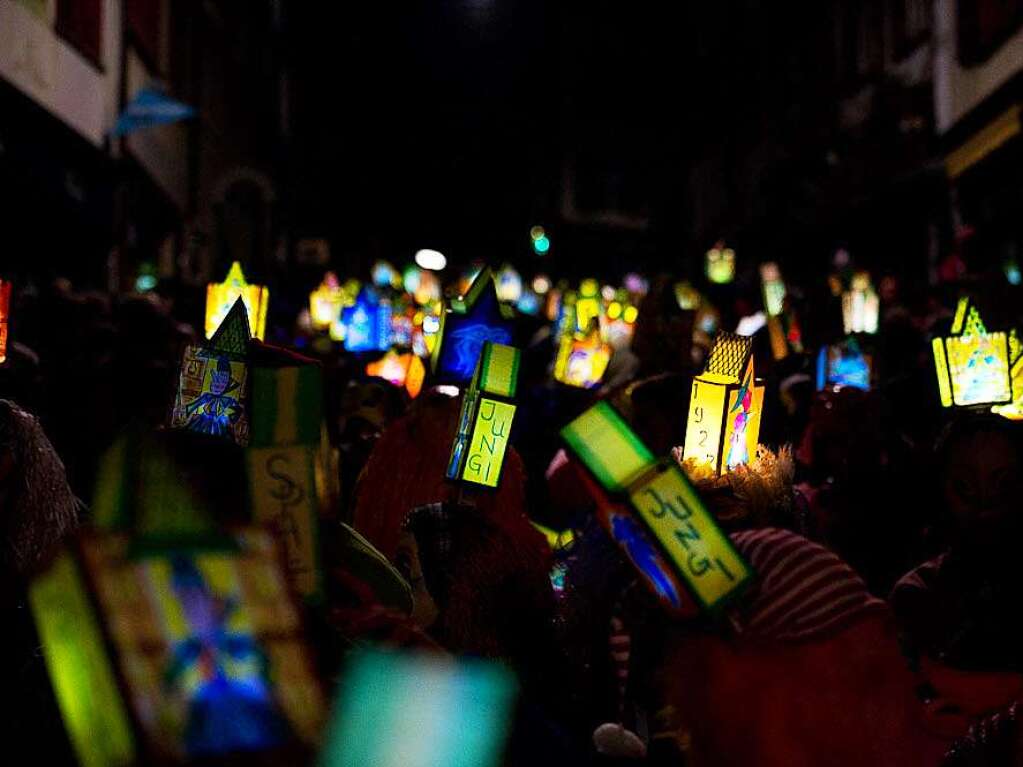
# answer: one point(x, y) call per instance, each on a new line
point(725, 406)
point(582, 358)
point(464, 327)
point(973, 365)
point(660, 522)
point(212, 396)
point(484, 426)
point(221, 297)
point(367, 324)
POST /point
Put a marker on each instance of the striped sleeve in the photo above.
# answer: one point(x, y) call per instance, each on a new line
point(804, 591)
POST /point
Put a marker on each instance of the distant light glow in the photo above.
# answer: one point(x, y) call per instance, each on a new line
point(431, 323)
point(541, 245)
point(541, 284)
point(431, 259)
point(751, 324)
point(614, 310)
point(536, 232)
point(447, 390)
point(147, 282)
point(630, 314)
point(608, 293)
point(1012, 272)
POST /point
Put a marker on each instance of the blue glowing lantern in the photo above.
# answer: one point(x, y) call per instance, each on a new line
point(367, 323)
point(465, 325)
point(842, 365)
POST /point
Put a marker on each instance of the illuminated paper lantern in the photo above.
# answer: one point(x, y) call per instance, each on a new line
point(484, 426)
point(688, 297)
point(384, 275)
point(326, 302)
point(509, 284)
point(972, 364)
point(720, 264)
point(860, 305)
point(367, 324)
point(220, 297)
point(782, 326)
point(587, 304)
point(1014, 410)
point(285, 464)
point(405, 370)
point(464, 327)
point(582, 359)
point(725, 406)
point(420, 710)
point(842, 365)
point(5, 314)
point(665, 531)
point(151, 651)
point(773, 287)
point(212, 396)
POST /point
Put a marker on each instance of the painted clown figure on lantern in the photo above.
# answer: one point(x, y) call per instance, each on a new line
point(212, 395)
point(484, 425)
point(973, 364)
point(221, 297)
point(725, 407)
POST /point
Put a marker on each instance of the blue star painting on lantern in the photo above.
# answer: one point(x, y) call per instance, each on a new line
point(367, 323)
point(464, 327)
point(212, 396)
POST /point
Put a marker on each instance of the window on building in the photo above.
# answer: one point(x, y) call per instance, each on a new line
point(984, 25)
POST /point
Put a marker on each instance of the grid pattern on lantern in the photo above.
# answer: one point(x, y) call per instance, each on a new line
point(730, 354)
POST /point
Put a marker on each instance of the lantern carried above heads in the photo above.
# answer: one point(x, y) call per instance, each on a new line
point(484, 426)
point(212, 395)
point(972, 364)
point(666, 531)
point(582, 358)
point(720, 264)
point(404, 370)
point(221, 296)
point(860, 305)
point(326, 302)
point(5, 313)
point(509, 284)
point(782, 325)
point(843, 365)
point(464, 327)
point(725, 406)
point(367, 324)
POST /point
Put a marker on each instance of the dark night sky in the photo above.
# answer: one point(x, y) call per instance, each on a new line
point(449, 124)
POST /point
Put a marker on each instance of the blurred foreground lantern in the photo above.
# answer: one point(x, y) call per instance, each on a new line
point(405, 370)
point(860, 305)
point(367, 324)
point(289, 461)
point(5, 314)
point(212, 396)
point(842, 365)
point(326, 301)
point(972, 364)
point(725, 406)
point(465, 326)
point(668, 534)
point(484, 426)
point(151, 651)
point(582, 358)
point(720, 264)
point(384, 275)
point(220, 297)
point(420, 710)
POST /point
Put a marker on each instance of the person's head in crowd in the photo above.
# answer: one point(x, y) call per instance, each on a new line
point(663, 338)
point(37, 506)
point(978, 462)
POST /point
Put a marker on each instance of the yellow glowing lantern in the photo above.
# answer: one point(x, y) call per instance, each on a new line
point(1014, 410)
point(220, 297)
point(5, 313)
point(720, 264)
point(725, 406)
point(582, 358)
point(488, 409)
point(587, 304)
point(326, 302)
point(860, 305)
point(972, 364)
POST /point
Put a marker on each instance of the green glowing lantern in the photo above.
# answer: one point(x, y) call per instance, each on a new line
point(484, 426)
point(663, 526)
